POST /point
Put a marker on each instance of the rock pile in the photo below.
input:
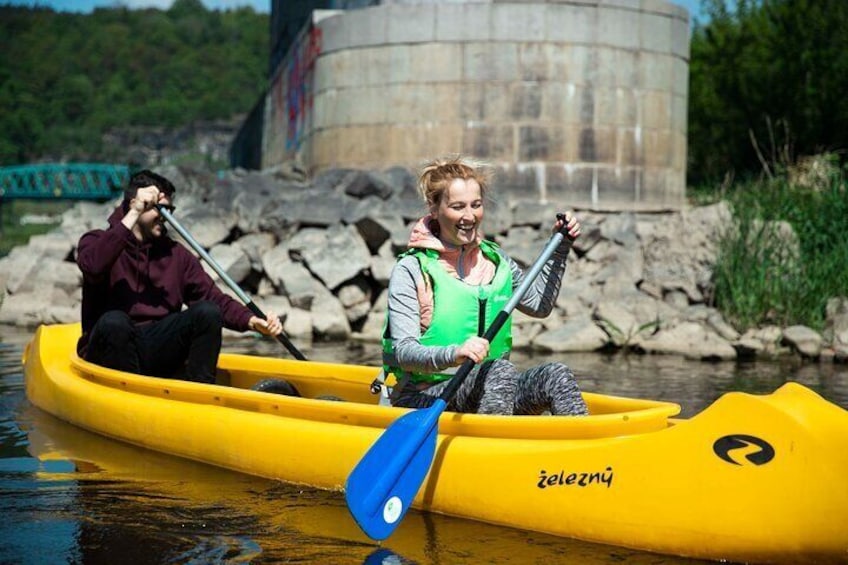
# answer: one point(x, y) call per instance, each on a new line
point(319, 252)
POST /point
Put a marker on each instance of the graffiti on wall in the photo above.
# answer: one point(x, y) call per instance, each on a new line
point(293, 94)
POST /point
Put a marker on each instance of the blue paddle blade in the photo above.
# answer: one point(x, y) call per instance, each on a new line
point(384, 483)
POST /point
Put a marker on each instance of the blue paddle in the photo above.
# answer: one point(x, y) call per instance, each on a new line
point(382, 486)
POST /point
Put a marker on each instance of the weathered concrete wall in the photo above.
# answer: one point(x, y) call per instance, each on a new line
point(577, 102)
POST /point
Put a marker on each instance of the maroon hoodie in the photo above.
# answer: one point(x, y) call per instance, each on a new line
point(147, 280)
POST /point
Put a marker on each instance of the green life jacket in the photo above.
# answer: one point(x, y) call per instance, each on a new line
point(460, 310)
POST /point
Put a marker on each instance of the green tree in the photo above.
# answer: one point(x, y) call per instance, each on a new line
point(767, 79)
point(72, 77)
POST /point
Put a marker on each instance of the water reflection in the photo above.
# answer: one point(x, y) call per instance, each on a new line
point(70, 496)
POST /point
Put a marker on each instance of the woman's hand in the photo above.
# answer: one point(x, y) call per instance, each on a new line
point(567, 224)
point(474, 348)
point(269, 326)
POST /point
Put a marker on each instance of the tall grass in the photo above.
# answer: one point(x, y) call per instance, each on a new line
point(766, 274)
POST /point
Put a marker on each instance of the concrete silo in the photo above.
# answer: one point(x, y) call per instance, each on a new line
point(575, 101)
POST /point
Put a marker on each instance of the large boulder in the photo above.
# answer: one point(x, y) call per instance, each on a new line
point(206, 227)
point(580, 334)
point(341, 256)
point(290, 278)
point(329, 319)
point(804, 340)
point(255, 245)
point(692, 340)
point(232, 259)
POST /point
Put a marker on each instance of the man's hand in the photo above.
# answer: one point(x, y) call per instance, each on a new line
point(145, 198)
point(269, 326)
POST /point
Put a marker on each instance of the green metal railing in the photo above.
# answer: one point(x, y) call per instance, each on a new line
point(72, 181)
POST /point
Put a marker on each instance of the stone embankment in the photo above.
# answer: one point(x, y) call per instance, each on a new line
point(319, 252)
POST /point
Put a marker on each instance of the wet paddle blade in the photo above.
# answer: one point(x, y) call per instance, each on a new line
point(384, 483)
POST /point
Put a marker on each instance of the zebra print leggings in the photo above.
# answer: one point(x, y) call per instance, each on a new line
point(498, 387)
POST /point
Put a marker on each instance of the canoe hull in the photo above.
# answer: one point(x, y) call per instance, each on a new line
point(752, 478)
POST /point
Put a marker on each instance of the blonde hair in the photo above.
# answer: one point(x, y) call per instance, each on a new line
point(437, 175)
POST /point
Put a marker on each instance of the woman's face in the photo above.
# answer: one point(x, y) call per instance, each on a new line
point(460, 212)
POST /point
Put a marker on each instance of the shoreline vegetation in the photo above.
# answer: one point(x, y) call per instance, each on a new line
point(787, 251)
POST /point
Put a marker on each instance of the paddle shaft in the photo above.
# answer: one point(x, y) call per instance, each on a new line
point(226, 278)
point(503, 315)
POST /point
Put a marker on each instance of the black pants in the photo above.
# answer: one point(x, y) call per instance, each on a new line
point(182, 345)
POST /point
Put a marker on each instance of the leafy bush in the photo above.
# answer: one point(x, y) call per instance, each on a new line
point(765, 274)
point(766, 77)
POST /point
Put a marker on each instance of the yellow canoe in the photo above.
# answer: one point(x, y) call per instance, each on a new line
point(751, 478)
point(303, 514)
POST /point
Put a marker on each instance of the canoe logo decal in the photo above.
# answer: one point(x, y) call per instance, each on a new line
point(574, 478)
point(392, 510)
point(756, 450)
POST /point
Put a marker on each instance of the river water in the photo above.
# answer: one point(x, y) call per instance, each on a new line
point(69, 496)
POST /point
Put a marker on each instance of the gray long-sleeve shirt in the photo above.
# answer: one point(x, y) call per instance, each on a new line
point(404, 309)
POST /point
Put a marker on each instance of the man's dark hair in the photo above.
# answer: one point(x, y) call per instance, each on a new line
point(147, 178)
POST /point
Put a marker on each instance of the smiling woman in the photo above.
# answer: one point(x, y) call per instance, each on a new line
point(450, 286)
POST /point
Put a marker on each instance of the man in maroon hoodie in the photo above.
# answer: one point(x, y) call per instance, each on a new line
point(136, 280)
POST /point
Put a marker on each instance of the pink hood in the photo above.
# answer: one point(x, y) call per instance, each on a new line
point(466, 263)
